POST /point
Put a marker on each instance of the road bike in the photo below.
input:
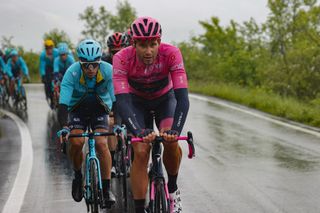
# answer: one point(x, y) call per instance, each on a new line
point(159, 201)
point(19, 97)
point(93, 193)
point(123, 162)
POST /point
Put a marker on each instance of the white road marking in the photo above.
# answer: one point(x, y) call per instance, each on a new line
point(306, 129)
point(17, 194)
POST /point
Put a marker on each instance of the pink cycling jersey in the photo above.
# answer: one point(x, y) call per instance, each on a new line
point(130, 75)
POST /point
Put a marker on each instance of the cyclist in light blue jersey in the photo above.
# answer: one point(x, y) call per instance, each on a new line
point(47, 57)
point(15, 68)
point(86, 98)
point(63, 62)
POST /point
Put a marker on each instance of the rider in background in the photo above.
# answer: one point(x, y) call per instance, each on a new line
point(86, 98)
point(149, 76)
point(66, 45)
point(115, 43)
point(2, 71)
point(63, 62)
point(15, 67)
point(46, 66)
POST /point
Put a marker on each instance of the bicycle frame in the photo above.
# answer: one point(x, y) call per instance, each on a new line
point(156, 171)
point(91, 156)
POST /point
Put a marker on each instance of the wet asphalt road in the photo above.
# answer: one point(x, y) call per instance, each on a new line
point(242, 164)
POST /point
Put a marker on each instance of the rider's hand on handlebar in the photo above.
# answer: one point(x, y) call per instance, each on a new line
point(63, 134)
point(170, 135)
point(148, 135)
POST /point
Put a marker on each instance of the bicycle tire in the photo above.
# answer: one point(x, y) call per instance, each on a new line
point(161, 204)
point(94, 188)
point(124, 177)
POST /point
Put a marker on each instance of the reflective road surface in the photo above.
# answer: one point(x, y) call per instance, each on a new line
point(243, 163)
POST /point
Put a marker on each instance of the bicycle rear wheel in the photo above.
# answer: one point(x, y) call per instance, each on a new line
point(94, 188)
point(160, 204)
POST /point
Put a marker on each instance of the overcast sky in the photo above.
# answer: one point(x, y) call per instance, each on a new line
point(28, 20)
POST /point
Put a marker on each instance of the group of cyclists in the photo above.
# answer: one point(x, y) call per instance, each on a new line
point(12, 69)
point(140, 80)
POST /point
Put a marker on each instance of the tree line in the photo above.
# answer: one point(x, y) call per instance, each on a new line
point(281, 55)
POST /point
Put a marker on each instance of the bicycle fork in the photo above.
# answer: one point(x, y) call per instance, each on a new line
point(156, 174)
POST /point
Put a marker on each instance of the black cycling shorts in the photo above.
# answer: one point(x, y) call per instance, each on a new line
point(161, 110)
point(94, 121)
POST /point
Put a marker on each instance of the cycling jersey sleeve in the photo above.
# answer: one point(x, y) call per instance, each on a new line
point(177, 71)
point(42, 64)
point(2, 65)
point(24, 67)
point(71, 59)
point(180, 85)
point(120, 74)
point(66, 88)
point(181, 110)
point(56, 65)
point(63, 115)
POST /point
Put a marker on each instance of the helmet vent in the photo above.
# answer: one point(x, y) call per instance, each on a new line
point(92, 49)
point(149, 29)
point(155, 29)
point(82, 51)
point(142, 29)
point(88, 51)
point(145, 21)
point(97, 50)
point(135, 29)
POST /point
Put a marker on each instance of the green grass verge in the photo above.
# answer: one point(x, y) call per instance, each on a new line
point(271, 103)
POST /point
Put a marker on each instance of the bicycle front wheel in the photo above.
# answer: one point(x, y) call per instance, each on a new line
point(94, 188)
point(160, 204)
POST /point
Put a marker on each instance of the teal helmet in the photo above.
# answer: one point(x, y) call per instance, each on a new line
point(8, 51)
point(63, 48)
point(89, 50)
point(14, 52)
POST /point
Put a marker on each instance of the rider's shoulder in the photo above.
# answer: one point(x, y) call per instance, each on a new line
point(74, 69)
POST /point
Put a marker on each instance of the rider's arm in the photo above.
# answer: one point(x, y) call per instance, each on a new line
point(66, 91)
point(121, 89)
point(8, 69)
point(124, 108)
point(71, 59)
point(180, 85)
point(56, 65)
point(2, 65)
point(42, 64)
point(24, 67)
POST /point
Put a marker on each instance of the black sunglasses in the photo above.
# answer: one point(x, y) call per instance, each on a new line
point(88, 65)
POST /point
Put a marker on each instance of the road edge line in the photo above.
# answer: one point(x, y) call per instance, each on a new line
point(261, 116)
point(20, 186)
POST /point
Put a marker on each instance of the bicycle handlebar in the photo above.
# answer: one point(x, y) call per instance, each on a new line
point(88, 134)
point(188, 138)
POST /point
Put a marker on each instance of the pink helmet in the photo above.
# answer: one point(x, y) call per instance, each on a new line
point(145, 28)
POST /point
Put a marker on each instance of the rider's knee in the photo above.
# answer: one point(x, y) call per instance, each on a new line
point(141, 154)
point(76, 143)
point(101, 146)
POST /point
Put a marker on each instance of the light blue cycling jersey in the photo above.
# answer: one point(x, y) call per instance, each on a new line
point(13, 69)
point(62, 66)
point(2, 65)
point(46, 62)
point(75, 86)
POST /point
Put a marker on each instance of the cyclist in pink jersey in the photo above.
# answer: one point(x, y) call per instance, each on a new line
point(150, 82)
